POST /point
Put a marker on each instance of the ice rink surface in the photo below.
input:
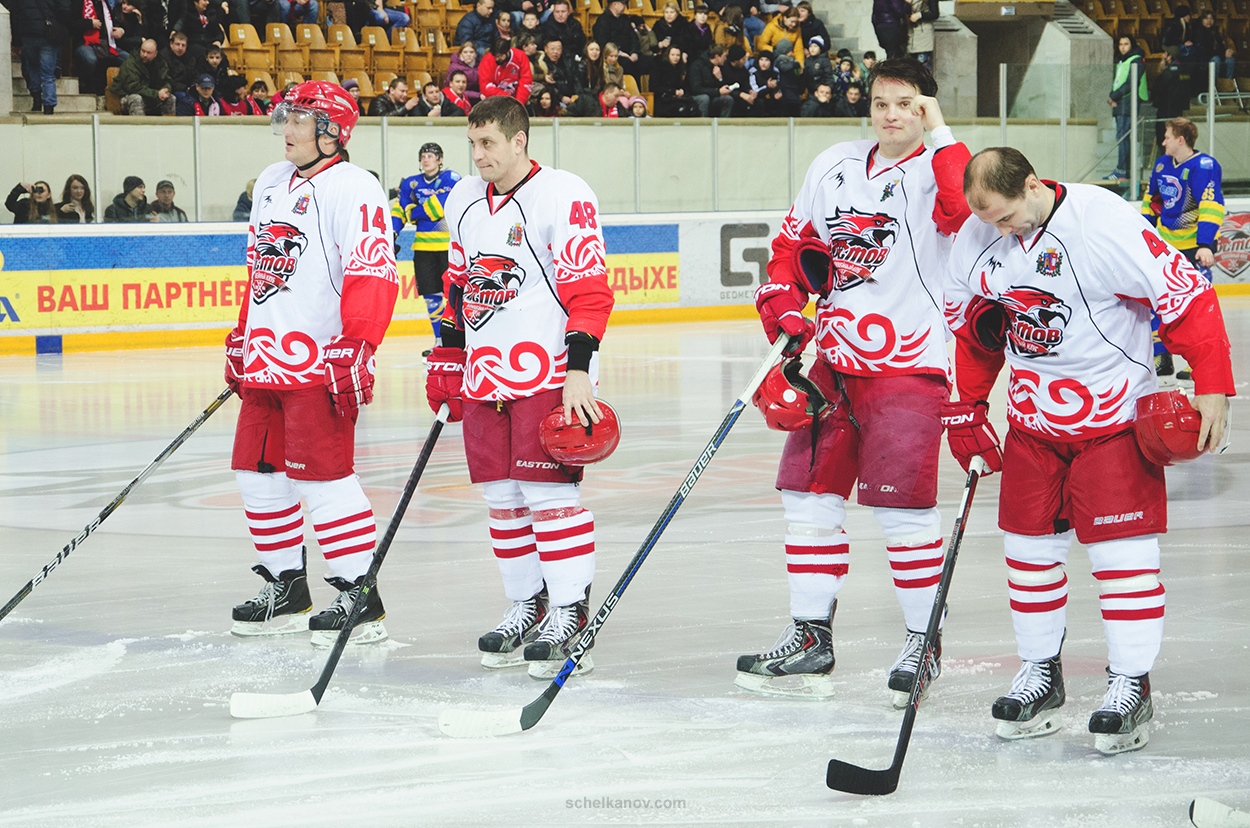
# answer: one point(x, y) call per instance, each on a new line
point(116, 672)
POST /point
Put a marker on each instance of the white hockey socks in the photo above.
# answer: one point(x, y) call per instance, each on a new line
point(512, 538)
point(817, 552)
point(343, 521)
point(913, 540)
point(1132, 601)
point(1037, 584)
point(275, 519)
point(564, 533)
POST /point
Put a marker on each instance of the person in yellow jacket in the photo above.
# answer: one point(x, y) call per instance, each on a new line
point(785, 26)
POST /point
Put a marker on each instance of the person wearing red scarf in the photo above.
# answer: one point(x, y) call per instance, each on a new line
point(454, 92)
point(97, 47)
point(604, 105)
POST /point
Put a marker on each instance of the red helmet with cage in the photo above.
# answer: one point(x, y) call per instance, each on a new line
point(575, 444)
point(1167, 428)
point(332, 104)
point(788, 400)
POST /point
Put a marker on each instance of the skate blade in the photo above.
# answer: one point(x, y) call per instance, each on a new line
point(900, 698)
point(1110, 744)
point(1043, 724)
point(1207, 813)
point(282, 625)
point(370, 633)
point(808, 686)
point(501, 661)
point(547, 670)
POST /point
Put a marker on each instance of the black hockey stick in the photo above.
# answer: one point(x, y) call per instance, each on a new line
point(854, 779)
point(117, 501)
point(271, 705)
point(475, 723)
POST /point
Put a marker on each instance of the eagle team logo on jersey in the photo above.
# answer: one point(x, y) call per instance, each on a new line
point(1234, 255)
point(1049, 262)
point(1038, 321)
point(277, 252)
point(492, 281)
point(858, 244)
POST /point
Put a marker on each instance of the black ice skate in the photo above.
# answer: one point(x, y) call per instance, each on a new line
point(281, 606)
point(1031, 707)
point(800, 664)
point(903, 673)
point(502, 646)
point(1122, 723)
point(557, 636)
point(327, 623)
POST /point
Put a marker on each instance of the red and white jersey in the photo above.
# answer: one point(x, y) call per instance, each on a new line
point(1079, 293)
point(320, 264)
point(885, 223)
point(531, 266)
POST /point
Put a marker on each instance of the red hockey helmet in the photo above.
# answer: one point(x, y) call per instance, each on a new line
point(788, 400)
point(328, 102)
point(1167, 428)
point(575, 444)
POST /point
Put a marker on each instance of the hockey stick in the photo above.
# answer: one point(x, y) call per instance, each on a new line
point(854, 779)
point(1207, 813)
point(271, 705)
point(117, 501)
point(476, 723)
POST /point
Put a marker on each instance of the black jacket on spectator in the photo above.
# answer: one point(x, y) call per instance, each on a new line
point(1176, 31)
point(811, 27)
point(120, 211)
point(132, 28)
point(678, 34)
point(569, 33)
point(383, 105)
point(702, 81)
point(813, 108)
point(1171, 93)
point(18, 203)
point(589, 105)
point(1209, 44)
point(27, 18)
point(446, 108)
point(618, 30)
point(243, 207)
point(842, 108)
point(476, 29)
point(817, 70)
point(565, 72)
point(201, 36)
point(181, 69)
point(220, 74)
point(699, 40)
point(667, 78)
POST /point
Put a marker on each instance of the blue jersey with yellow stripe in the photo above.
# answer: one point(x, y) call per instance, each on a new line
point(421, 203)
point(1185, 201)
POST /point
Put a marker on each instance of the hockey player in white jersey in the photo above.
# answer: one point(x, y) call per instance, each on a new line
point(528, 304)
point(868, 235)
point(1078, 274)
point(322, 288)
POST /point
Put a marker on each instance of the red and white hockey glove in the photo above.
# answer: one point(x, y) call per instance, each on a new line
point(444, 376)
point(811, 258)
point(987, 321)
point(969, 433)
point(234, 360)
point(349, 373)
point(781, 310)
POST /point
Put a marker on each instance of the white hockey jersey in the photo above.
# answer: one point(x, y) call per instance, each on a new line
point(1079, 293)
point(530, 267)
point(884, 314)
point(320, 264)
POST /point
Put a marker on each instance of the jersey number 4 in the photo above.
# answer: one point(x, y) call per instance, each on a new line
point(378, 220)
point(583, 215)
point(1156, 244)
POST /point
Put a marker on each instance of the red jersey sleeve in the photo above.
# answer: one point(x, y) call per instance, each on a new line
point(951, 209)
point(486, 72)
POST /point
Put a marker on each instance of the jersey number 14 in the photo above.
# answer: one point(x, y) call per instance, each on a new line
point(378, 220)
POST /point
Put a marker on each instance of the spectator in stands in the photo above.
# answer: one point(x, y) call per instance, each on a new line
point(505, 70)
point(739, 78)
point(432, 103)
point(648, 45)
point(708, 87)
point(638, 108)
point(920, 35)
point(243, 207)
point(890, 21)
point(164, 209)
point(353, 88)
point(178, 63)
point(1127, 54)
point(558, 74)
point(128, 18)
point(605, 104)
point(865, 65)
point(1213, 47)
point(784, 25)
point(1178, 33)
point(544, 105)
point(455, 92)
point(819, 104)
point(529, 46)
point(614, 27)
point(843, 77)
point(234, 100)
point(477, 27)
point(613, 72)
point(562, 26)
point(213, 63)
point(295, 12)
point(259, 93)
point(853, 104)
point(668, 84)
point(816, 68)
point(394, 102)
point(701, 34)
point(1170, 94)
point(789, 79)
point(95, 48)
point(202, 27)
point(131, 204)
point(39, 55)
point(590, 74)
point(380, 15)
point(200, 100)
point(142, 83)
point(729, 32)
point(673, 30)
point(811, 25)
point(465, 61)
point(32, 204)
point(764, 83)
point(75, 206)
point(529, 23)
point(503, 27)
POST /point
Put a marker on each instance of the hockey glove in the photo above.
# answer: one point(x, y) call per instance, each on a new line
point(444, 376)
point(781, 310)
point(812, 260)
point(987, 320)
point(234, 360)
point(969, 433)
point(349, 373)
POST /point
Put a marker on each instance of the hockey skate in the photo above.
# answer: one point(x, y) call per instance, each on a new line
point(557, 636)
point(327, 623)
point(903, 673)
point(281, 607)
point(1031, 707)
point(799, 666)
point(1122, 723)
point(502, 646)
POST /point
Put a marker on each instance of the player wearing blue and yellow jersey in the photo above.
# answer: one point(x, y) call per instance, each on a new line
point(421, 200)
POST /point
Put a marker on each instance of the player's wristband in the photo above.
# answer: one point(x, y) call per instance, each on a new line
point(942, 137)
point(582, 347)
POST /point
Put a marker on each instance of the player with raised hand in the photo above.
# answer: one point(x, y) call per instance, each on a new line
point(527, 306)
point(322, 288)
point(867, 236)
point(1077, 274)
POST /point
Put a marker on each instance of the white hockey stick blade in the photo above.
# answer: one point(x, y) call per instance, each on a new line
point(1207, 813)
point(271, 705)
point(478, 724)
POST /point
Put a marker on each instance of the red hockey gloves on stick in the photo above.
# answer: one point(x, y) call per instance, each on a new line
point(444, 375)
point(349, 373)
point(781, 310)
point(234, 359)
point(969, 433)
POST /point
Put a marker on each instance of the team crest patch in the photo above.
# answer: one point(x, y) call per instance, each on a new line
point(301, 206)
point(889, 190)
point(1049, 262)
point(514, 235)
